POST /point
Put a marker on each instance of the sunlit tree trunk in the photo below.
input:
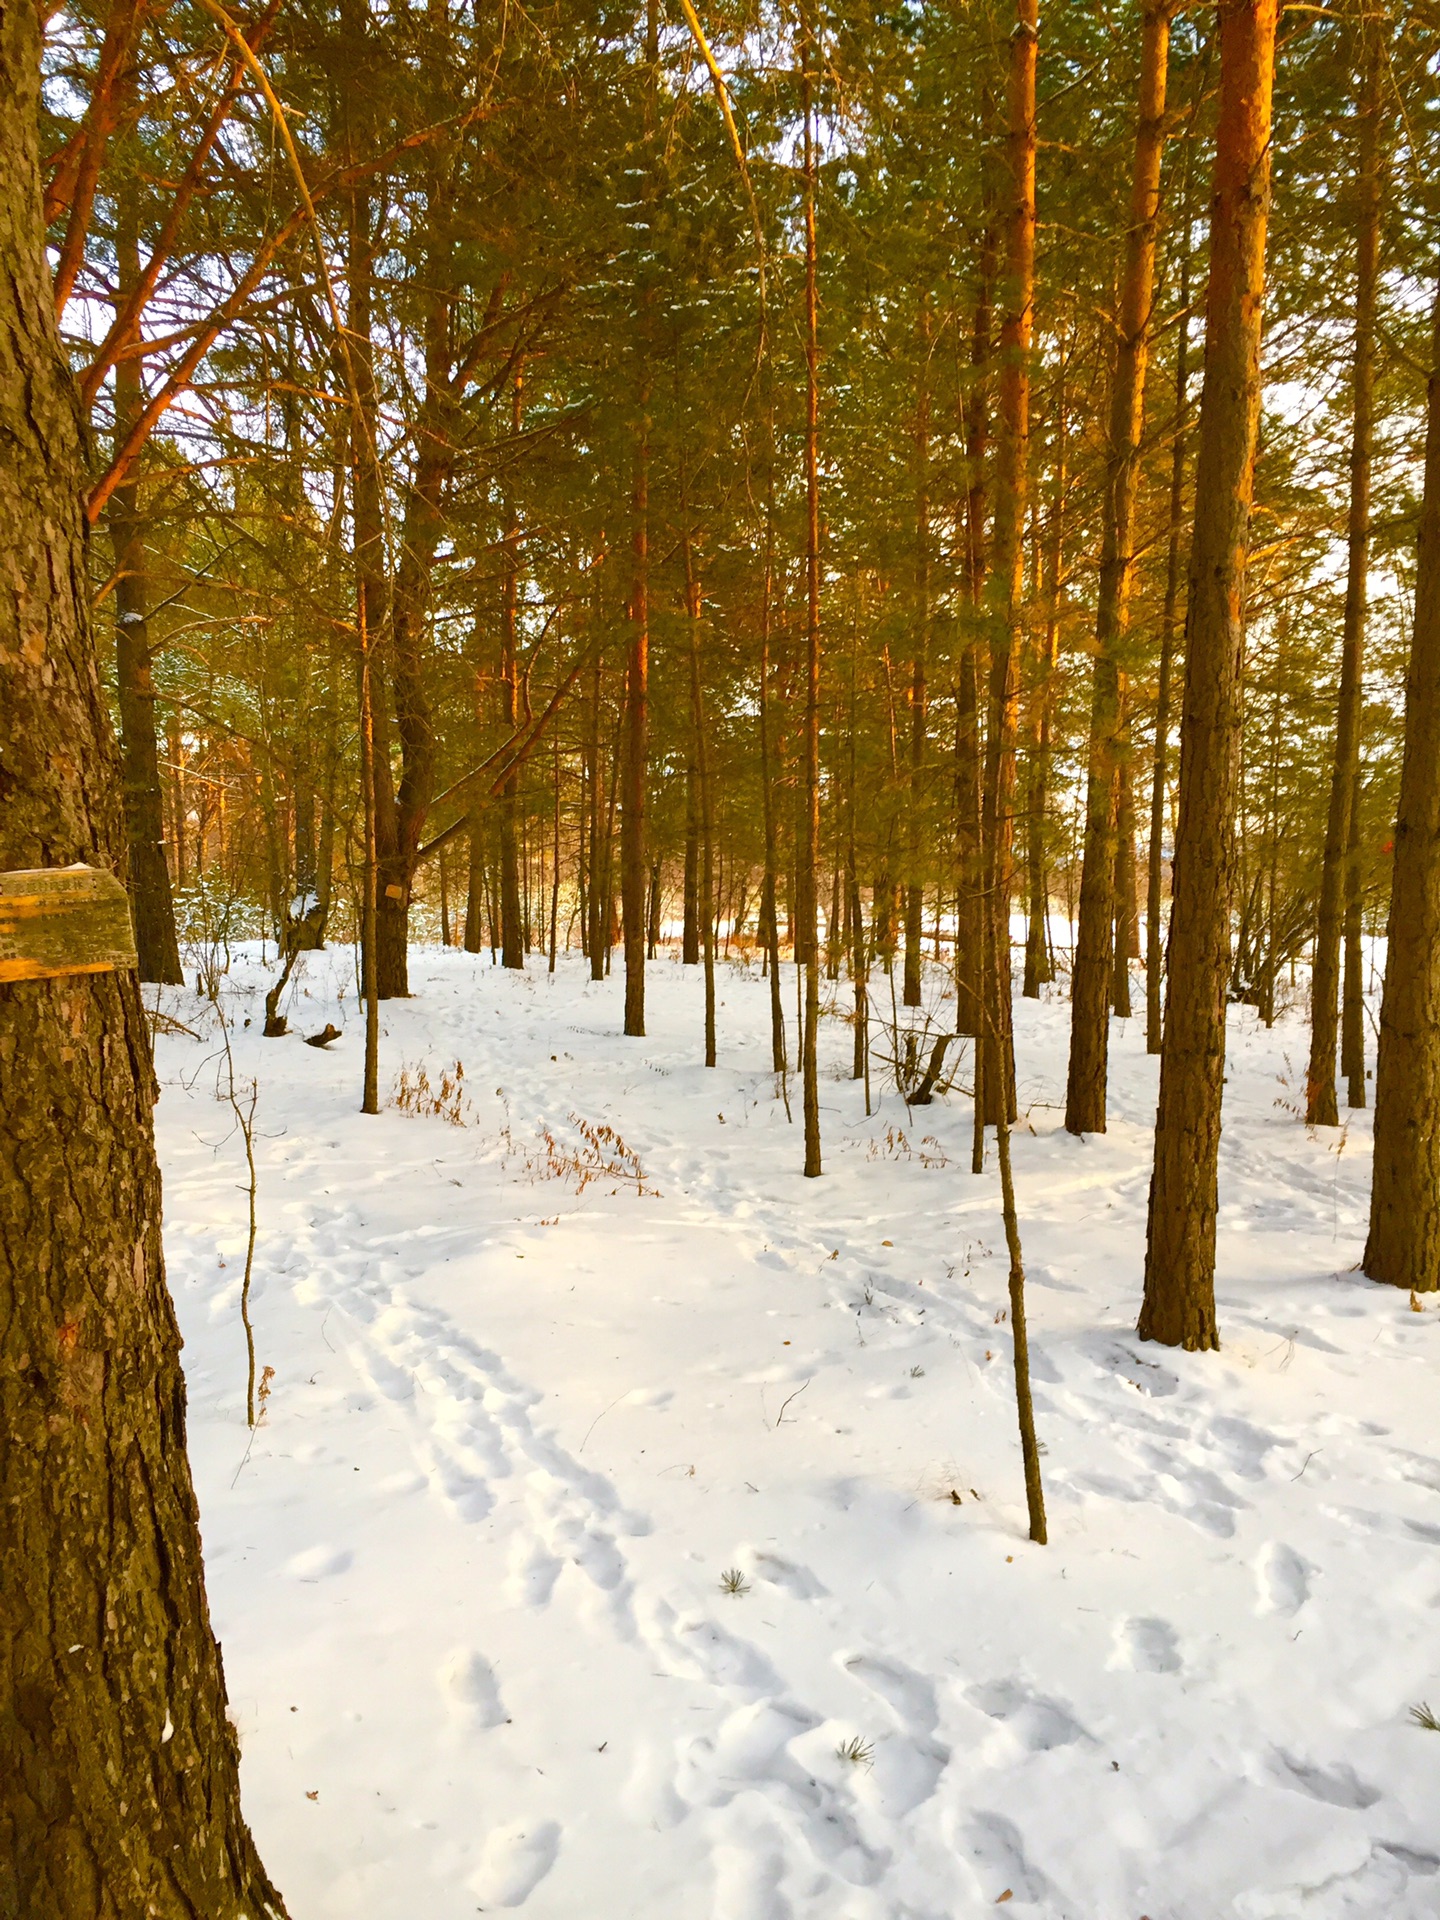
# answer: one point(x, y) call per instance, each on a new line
point(512, 936)
point(1403, 1246)
point(1038, 968)
point(1169, 622)
point(1097, 964)
point(1179, 1303)
point(704, 794)
point(1007, 560)
point(1321, 1109)
point(969, 754)
point(809, 851)
point(633, 867)
point(914, 884)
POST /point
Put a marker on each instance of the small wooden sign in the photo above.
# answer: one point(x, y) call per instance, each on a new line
point(59, 920)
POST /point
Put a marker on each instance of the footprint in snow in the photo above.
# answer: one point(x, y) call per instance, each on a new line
point(791, 1578)
point(1335, 1786)
point(468, 1682)
point(533, 1573)
point(995, 1844)
point(319, 1563)
point(748, 1871)
point(514, 1862)
point(1147, 1646)
point(1283, 1579)
point(908, 1694)
point(1040, 1724)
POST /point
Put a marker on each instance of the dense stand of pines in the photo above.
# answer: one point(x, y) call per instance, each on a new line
point(751, 485)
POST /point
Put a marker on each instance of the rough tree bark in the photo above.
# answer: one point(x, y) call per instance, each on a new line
point(1321, 1108)
point(1096, 962)
point(1403, 1246)
point(1179, 1303)
point(119, 1793)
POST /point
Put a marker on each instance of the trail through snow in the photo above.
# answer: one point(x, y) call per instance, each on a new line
point(471, 1576)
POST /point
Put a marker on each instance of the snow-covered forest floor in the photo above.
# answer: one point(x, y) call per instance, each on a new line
point(470, 1577)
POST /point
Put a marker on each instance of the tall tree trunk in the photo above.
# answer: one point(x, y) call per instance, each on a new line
point(120, 1766)
point(598, 860)
point(1321, 1109)
point(1179, 1304)
point(637, 723)
point(705, 794)
point(690, 931)
point(914, 884)
point(1160, 766)
point(1096, 961)
point(1038, 968)
point(807, 928)
point(1403, 1245)
point(149, 875)
point(512, 933)
point(1008, 562)
point(969, 746)
point(769, 890)
point(475, 884)
point(1352, 1019)
point(1125, 946)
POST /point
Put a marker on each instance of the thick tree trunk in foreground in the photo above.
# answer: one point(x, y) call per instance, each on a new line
point(1321, 1108)
point(1097, 961)
point(1179, 1305)
point(1403, 1246)
point(119, 1794)
point(1008, 563)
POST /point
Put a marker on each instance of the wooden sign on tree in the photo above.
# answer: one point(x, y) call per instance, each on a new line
point(59, 920)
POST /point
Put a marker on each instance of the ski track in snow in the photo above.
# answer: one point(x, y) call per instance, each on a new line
point(906, 1712)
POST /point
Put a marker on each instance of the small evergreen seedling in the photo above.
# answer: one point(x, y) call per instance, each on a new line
point(858, 1752)
point(734, 1581)
point(1425, 1716)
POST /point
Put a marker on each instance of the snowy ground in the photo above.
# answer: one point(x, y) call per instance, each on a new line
point(469, 1576)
